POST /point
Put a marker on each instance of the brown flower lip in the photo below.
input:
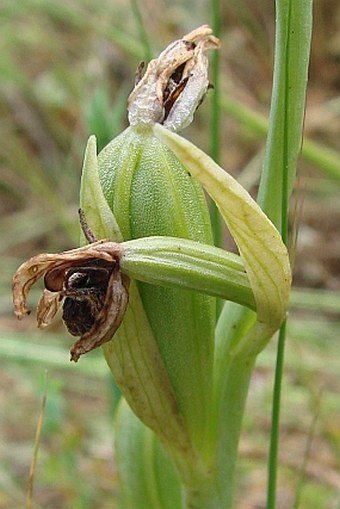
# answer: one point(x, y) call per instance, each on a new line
point(89, 285)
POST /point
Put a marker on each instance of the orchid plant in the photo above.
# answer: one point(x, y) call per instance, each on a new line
point(146, 290)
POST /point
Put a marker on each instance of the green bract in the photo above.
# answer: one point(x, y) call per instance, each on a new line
point(262, 250)
point(162, 354)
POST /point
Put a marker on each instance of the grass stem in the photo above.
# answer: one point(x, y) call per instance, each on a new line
point(215, 127)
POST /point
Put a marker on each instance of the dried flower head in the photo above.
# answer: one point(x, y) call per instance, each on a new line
point(86, 282)
point(174, 84)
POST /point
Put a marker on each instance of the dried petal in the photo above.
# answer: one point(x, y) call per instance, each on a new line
point(174, 84)
point(47, 308)
point(90, 285)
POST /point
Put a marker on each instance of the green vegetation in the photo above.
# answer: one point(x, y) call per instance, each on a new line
point(65, 72)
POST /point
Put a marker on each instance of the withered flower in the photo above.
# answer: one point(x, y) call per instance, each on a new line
point(174, 84)
point(89, 285)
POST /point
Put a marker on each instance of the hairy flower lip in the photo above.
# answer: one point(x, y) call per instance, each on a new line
point(173, 84)
point(95, 305)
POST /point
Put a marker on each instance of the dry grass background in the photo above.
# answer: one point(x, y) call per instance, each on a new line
point(66, 69)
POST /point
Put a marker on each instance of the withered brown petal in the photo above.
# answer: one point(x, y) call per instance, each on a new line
point(37, 266)
point(179, 61)
point(173, 96)
point(47, 308)
point(97, 266)
point(54, 279)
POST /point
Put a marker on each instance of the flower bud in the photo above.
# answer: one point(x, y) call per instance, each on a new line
point(151, 193)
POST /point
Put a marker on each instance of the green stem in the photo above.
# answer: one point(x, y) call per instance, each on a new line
point(275, 431)
point(217, 491)
point(215, 128)
point(276, 407)
point(236, 383)
point(231, 383)
point(203, 496)
point(292, 46)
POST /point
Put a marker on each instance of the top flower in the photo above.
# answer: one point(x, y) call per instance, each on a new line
point(174, 84)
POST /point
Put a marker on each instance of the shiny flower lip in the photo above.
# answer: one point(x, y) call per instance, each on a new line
point(86, 282)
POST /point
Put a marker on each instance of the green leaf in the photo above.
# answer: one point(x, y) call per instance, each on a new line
point(293, 35)
point(181, 263)
point(264, 255)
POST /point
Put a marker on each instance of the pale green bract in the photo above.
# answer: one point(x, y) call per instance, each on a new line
point(264, 254)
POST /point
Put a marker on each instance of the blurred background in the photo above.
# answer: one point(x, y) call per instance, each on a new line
point(66, 69)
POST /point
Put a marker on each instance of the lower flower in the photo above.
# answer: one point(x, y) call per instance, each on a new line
point(87, 282)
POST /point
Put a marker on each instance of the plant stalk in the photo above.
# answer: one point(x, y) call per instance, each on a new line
point(217, 490)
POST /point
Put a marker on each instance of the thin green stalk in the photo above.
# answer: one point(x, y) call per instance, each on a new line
point(283, 226)
point(215, 127)
point(219, 492)
point(276, 406)
point(292, 45)
point(275, 429)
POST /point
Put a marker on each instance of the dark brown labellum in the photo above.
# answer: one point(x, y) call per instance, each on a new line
point(84, 289)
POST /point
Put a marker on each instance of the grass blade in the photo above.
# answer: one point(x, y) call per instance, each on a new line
point(293, 35)
point(36, 447)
